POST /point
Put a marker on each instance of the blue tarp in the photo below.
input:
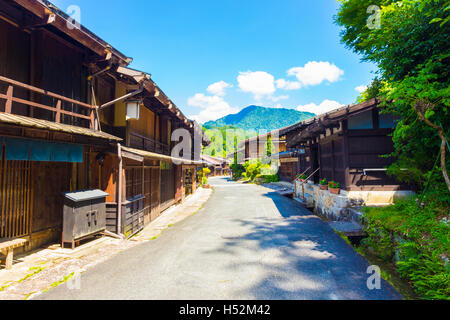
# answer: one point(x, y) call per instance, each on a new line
point(33, 150)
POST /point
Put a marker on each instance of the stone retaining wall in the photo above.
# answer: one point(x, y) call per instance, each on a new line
point(339, 207)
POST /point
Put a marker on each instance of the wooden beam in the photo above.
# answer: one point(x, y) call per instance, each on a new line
point(62, 24)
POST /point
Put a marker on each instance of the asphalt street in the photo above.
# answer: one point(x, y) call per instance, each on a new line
point(247, 242)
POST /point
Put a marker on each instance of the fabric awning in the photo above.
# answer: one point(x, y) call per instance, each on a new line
point(36, 150)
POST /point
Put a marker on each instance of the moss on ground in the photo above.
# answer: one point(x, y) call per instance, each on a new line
point(34, 270)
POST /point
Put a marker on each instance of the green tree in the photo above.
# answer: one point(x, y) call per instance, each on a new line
point(372, 91)
point(410, 48)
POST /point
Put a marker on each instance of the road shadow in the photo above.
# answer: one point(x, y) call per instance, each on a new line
point(296, 256)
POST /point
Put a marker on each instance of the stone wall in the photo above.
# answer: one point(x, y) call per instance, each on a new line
point(342, 207)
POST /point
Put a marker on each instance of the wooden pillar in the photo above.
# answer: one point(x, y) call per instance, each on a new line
point(333, 175)
point(9, 259)
point(9, 96)
point(159, 189)
point(194, 180)
point(346, 155)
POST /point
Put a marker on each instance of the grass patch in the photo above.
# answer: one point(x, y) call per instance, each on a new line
point(388, 271)
point(57, 283)
point(416, 240)
point(34, 270)
point(29, 295)
point(5, 286)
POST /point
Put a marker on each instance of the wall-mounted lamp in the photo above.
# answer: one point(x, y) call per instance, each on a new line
point(100, 158)
point(133, 106)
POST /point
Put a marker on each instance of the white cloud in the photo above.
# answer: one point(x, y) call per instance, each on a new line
point(214, 107)
point(218, 88)
point(325, 106)
point(258, 83)
point(361, 88)
point(314, 73)
point(276, 99)
point(288, 85)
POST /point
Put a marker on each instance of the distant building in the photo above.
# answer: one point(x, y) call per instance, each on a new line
point(217, 165)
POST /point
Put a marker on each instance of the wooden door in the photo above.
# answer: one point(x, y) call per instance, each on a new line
point(15, 199)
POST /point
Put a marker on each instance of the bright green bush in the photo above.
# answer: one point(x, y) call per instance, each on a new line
point(417, 240)
point(271, 178)
point(238, 170)
point(252, 170)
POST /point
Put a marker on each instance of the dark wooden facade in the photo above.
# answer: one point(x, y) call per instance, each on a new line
point(52, 81)
point(350, 146)
point(44, 76)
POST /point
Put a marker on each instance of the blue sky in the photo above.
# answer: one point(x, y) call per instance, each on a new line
point(215, 57)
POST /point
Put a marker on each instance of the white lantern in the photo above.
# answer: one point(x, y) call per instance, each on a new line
point(133, 109)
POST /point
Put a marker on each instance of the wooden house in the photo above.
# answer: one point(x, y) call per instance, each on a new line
point(64, 127)
point(271, 145)
point(152, 179)
point(217, 165)
point(349, 146)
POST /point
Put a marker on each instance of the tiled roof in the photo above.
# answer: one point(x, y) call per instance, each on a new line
point(53, 126)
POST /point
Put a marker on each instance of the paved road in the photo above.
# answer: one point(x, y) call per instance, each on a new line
point(247, 242)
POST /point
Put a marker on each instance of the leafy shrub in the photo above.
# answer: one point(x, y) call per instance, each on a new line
point(204, 180)
point(238, 170)
point(271, 178)
point(252, 170)
point(323, 182)
point(302, 176)
point(416, 239)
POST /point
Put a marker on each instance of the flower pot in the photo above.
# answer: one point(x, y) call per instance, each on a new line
point(335, 190)
point(323, 187)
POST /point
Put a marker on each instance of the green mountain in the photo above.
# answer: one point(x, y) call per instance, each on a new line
point(226, 133)
point(225, 139)
point(260, 118)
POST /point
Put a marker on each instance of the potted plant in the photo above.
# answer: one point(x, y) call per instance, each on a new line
point(302, 177)
point(334, 187)
point(323, 184)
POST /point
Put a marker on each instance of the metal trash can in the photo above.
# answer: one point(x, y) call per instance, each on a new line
point(84, 215)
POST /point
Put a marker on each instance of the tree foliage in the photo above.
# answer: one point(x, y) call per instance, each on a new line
point(372, 91)
point(411, 51)
point(225, 140)
point(410, 48)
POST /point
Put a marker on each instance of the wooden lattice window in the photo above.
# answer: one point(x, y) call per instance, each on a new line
point(133, 178)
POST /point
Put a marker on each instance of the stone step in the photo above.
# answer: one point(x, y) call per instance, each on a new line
point(355, 214)
point(349, 229)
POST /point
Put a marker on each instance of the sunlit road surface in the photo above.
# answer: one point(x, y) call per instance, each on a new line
point(247, 242)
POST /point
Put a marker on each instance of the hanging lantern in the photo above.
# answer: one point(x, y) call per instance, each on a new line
point(133, 106)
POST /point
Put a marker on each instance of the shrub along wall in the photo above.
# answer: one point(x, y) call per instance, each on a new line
point(416, 239)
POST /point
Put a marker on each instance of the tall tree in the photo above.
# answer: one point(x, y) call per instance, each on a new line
point(408, 40)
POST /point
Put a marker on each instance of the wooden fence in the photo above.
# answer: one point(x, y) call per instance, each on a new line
point(16, 198)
